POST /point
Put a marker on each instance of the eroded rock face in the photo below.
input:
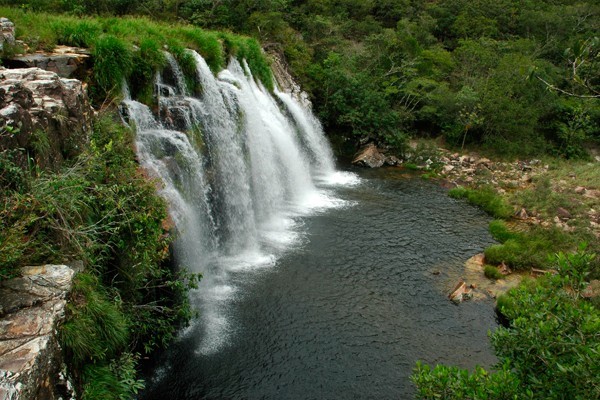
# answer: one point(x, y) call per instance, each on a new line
point(31, 308)
point(48, 116)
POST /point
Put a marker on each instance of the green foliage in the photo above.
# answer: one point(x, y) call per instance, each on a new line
point(486, 198)
point(452, 383)
point(102, 210)
point(129, 48)
point(117, 380)
point(552, 342)
point(548, 351)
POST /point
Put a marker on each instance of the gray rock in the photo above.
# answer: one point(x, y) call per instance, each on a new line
point(7, 32)
point(563, 213)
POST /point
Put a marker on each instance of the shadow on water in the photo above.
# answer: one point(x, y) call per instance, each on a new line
point(348, 312)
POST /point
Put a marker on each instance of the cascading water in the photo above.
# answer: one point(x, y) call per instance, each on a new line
point(237, 172)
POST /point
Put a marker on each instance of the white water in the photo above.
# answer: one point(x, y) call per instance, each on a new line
point(238, 172)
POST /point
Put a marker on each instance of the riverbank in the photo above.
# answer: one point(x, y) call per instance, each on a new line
point(553, 204)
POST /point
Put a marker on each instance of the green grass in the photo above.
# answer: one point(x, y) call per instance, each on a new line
point(485, 198)
point(531, 249)
point(501, 232)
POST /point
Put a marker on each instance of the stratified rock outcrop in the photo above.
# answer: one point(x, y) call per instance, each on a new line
point(286, 82)
point(65, 61)
point(31, 308)
point(47, 116)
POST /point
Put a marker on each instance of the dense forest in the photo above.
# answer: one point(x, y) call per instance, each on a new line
point(518, 78)
point(508, 78)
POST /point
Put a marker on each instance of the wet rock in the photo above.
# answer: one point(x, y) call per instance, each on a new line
point(46, 115)
point(369, 156)
point(460, 292)
point(31, 307)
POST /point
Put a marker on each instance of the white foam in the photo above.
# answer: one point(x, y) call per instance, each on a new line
point(340, 178)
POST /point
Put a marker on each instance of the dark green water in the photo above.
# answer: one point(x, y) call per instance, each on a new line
point(346, 313)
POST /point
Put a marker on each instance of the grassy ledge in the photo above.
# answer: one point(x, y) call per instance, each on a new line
point(131, 47)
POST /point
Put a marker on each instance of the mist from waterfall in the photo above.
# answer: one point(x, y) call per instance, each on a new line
point(239, 169)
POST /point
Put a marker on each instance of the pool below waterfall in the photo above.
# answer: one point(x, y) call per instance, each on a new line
point(345, 308)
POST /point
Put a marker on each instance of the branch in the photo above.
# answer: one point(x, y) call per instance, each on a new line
point(581, 96)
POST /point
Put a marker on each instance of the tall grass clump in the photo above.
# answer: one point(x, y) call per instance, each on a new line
point(148, 60)
point(208, 45)
point(531, 249)
point(82, 33)
point(113, 62)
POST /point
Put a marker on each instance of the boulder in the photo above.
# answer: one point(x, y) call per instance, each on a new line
point(32, 307)
point(48, 116)
point(369, 156)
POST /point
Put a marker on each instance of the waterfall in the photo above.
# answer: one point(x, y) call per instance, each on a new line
point(239, 169)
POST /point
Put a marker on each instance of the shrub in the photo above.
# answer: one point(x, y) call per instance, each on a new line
point(492, 272)
point(452, 383)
